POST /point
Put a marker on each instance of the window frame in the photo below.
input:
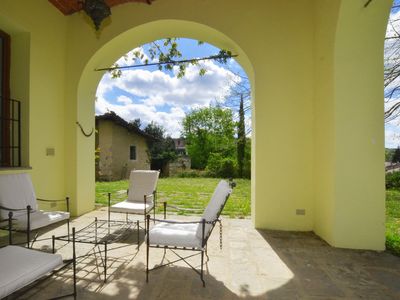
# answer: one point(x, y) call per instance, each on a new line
point(5, 158)
point(130, 152)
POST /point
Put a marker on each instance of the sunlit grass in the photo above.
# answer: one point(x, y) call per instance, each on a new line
point(393, 221)
point(188, 193)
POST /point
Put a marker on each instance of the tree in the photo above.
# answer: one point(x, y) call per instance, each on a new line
point(241, 139)
point(392, 67)
point(161, 148)
point(209, 130)
point(396, 156)
point(136, 123)
point(167, 55)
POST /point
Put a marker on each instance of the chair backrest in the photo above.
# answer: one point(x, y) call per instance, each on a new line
point(16, 191)
point(142, 182)
point(214, 207)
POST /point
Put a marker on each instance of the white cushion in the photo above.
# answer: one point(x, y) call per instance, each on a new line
point(131, 207)
point(180, 235)
point(16, 191)
point(142, 182)
point(39, 219)
point(221, 192)
point(21, 266)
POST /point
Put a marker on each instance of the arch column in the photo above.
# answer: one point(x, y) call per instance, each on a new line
point(350, 187)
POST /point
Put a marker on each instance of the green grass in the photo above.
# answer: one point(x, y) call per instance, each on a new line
point(393, 221)
point(190, 193)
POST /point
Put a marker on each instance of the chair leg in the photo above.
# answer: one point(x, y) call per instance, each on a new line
point(147, 250)
point(74, 261)
point(68, 230)
point(202, 263)
point(138, 233)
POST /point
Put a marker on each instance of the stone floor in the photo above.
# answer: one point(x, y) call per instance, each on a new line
point(253, 264)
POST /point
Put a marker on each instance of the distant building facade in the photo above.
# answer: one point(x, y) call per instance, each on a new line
point(120, 148)
point(180, 146)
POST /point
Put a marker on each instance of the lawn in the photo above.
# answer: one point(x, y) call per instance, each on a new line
point(192, 194)
point(393, 221)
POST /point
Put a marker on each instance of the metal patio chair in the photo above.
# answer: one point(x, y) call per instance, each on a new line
point(23, 268)
point(17, 195)
point(142, 195)
point(193, 236)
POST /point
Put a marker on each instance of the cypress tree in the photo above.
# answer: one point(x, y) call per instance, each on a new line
point(241, 142)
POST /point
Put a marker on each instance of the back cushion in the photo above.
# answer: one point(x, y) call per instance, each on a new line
point(16, 191)
point(142, 182)
point(221, 192)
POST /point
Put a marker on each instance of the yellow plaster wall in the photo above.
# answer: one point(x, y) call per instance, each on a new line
point(359, 148)
point(349, 127)
point(38, 34)
point(326, 14)
point(268, 47)
point(316, 73)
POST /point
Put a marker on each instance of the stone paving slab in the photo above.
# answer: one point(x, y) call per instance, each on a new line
point(253, 264)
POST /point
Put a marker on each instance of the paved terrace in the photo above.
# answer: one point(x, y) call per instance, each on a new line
point(253, 264)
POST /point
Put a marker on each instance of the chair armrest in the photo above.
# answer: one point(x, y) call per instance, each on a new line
point(182, 222)
point(66, 199)
point(50, 200)
point(12, 209)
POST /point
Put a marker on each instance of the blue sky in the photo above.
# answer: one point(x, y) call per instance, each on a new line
point(392, 128)
point(153, 95)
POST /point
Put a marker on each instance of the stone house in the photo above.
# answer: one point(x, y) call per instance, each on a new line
point(120, 148)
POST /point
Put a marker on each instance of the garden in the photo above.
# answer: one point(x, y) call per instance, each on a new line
point(189, 194)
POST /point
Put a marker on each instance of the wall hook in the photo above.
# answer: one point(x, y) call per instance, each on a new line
point(83, 131)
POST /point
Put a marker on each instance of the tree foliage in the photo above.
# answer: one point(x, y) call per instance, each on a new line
point(396, 156)
point(162, 147)
point(392, 66)
point(209, 130)
point(136, 123)
point(167, 55)
point(241, 139)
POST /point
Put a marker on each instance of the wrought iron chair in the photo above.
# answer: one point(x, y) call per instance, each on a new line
point(17, 195)
point(23, 268)
point(142, 195)
point(193, 236)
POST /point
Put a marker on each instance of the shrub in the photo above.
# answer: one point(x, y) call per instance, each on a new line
point(393, 180)
point(218, 166)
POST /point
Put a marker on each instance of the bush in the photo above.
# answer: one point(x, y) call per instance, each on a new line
point(393, 180)
point(218, 166)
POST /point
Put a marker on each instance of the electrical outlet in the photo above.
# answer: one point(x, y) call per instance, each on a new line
point(300, 212)
point(50, 151)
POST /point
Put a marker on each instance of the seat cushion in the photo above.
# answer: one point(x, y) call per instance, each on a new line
point(180, 235)
point(16, 191)
point(21, 266)
point(40, 219)
point(142, 182)
point(131, 207)
point(220, 195)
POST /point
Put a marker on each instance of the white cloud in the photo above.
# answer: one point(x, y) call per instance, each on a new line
point(156, 89)
point(124, 100)
point(392, 138)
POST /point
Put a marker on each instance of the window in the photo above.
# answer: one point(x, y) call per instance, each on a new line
point(5, 159)
point(132, 153)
